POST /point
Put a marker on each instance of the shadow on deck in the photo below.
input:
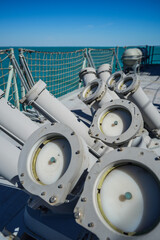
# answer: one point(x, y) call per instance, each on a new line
point(153, 69)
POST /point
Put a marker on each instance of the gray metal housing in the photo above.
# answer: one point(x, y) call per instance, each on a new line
point(97, 94)
point(87, 213)
point(134, 128)
point(53, 194)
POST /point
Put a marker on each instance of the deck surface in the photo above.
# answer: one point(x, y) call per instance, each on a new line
point(12, 201)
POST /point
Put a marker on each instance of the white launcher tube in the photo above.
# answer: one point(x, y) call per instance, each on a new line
point(15, 122)
point(87, 75)
point(57, 110)
point(9, 155)
point(104, 72)
point(150, 114)
point(130, 87)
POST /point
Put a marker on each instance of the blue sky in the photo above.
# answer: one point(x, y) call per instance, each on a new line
point(79, 23)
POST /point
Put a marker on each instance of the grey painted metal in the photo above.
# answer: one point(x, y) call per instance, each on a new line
point(26, 70)
point(57, 110)
point(131, 56)
point(104, 72)
point(10, 77)
point(11, 135)
point(9, 155)
point(87, 75)
point(43, 112)
point(17, 104)
point(114, 78)
point(92, 64)
point(99, 89)
point(90, 216)
point(53, 194)
point(135, 126)
point(127, 85)
point(19, 72)
point(133, 91)
point(15, 121)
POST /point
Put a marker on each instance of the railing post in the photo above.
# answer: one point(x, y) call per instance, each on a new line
point(90, 58)
point(16, 90)
point(10, 76)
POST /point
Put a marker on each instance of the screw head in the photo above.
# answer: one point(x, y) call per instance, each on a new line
point(84, 199)
point(53, 199)
point(91, 224)
point(43, 193)
point(78, 152)
point(77, 215)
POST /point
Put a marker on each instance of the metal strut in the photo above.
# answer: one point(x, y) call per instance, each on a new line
point(19, 72)
point(26, 70)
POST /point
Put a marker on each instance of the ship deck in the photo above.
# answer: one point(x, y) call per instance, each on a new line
point(13, 201)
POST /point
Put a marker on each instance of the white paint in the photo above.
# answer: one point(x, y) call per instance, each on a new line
point(49, 171)
point(116, 122)
point(141, 211)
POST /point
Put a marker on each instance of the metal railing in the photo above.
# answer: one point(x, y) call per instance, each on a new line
point(60, 70)
point(155, 55)
point(99, 56)
point(8, 78)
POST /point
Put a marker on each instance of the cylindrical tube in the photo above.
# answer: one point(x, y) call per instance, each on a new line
point(87, 75)
point(56, 109)
point(9, 155)
point(106, 98)
point(15, 121)
point(130, 87)
point(149, 112)
point(104, 72)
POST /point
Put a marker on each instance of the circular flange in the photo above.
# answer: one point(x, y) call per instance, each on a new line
point(122, 195)
point(127, 85)
point(51, 162)
point(94, 90)
point(116, 122)
point(114, 78)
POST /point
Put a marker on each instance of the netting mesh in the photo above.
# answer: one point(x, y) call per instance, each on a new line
point(8, 86)
point(59, 70)
point(101, 56)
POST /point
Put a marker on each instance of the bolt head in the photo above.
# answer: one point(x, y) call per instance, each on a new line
point(53, 199)
point(77, 215)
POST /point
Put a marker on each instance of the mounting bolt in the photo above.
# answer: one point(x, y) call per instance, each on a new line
point(77, 215)
point(43, 193)
point(83, 199)
point(120, 149)
point(53, 199)
point(91, 224)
